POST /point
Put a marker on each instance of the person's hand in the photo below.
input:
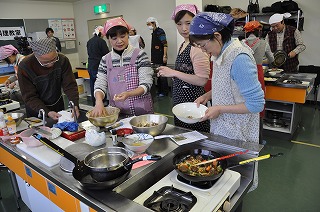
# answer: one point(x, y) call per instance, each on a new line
point(165, 59)
point(164, 71)
point(54, 115)
point(11, 86)
point(7, 83)
point(121, 96)
point(212, 113)
point(292, 54)
point(99, 110)
point(201, 100)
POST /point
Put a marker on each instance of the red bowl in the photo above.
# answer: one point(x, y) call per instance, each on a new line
point(124, 131)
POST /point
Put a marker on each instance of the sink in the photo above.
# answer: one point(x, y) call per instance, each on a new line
point(82, 116)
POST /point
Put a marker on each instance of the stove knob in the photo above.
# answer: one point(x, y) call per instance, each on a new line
point(226, 206)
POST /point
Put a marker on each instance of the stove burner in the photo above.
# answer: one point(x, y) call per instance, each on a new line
point(170, 199)
point(170, 205)
point(294, 81)
point(5, 102)
point(201, 185)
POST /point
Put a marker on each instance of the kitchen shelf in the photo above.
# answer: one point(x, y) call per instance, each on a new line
point(279, 106)
point(290, 113)
point(278, 129)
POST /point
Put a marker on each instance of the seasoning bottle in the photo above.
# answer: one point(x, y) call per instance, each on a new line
point(11, 125)
point(3, 126)
point(114, 137)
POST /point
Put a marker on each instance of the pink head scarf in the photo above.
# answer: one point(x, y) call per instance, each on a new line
point(115, 22)
point(189, 7)
point(7, 51)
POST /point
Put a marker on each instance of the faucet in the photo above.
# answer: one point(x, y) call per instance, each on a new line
point(43, 114)
point(71, 105)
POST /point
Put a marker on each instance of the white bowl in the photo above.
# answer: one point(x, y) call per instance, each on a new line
point(138, 143)
point(273, 73)
point(188, 112)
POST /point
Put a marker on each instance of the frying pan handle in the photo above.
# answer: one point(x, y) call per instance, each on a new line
point(56, 148)
point(147, 157)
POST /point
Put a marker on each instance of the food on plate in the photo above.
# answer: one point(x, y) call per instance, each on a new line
point(190, 117)
point(147, 124)
point(188, 167)
point(270, 79)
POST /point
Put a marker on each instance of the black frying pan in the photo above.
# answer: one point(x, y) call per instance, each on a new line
point(206, 154)
point(90, 174)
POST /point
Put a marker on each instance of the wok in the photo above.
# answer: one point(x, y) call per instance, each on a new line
point(100, 167)
point(280, 57)
point(208, 155)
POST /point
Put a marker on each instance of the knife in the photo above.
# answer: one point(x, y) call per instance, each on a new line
point(42, 131)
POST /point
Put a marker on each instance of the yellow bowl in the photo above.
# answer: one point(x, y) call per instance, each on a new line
point(106, 120)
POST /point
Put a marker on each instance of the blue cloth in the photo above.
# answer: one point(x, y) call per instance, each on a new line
point(207, 23)
point(69, 126)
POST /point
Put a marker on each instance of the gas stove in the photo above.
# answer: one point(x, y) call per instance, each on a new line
point(172, 194)
point(8, 105)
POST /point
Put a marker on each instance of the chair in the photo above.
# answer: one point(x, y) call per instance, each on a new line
point(14, 184)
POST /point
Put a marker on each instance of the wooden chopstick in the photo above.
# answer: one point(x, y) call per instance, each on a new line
point(222, 158)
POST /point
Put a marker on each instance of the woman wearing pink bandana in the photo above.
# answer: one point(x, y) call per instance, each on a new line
point(11, 55)
point(192, 67)
point(125, 73)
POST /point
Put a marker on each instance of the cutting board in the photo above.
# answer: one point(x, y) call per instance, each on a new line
point(43, 153)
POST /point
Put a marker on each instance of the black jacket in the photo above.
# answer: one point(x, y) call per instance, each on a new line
point(96, 48)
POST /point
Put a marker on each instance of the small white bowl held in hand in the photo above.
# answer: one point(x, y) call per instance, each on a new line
point(138, 143)
point(188, 112)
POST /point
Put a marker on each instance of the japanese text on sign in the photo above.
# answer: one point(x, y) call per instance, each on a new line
point(8, 33)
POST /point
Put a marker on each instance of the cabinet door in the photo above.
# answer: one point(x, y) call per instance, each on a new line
point(23, 191)
point(36, 180)
point(60, 197)
point(39, 202)
point(13, 163)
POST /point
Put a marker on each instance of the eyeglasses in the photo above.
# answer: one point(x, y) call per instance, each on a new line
point(201, 46)
point(49, 63)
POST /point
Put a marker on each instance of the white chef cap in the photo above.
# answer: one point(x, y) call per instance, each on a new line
point(276, 18)
point(97, 30)
point(153, 19)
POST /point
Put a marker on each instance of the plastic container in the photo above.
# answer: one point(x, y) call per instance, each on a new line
point(11, 125)
point(3, 126)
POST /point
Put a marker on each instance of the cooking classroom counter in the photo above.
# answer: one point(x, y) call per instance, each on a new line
point(62, 189)
point(285, 97)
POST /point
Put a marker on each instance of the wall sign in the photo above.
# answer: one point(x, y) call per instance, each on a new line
point(8, 33)
point(69, 31)
point(56, 25)
point(64, 29)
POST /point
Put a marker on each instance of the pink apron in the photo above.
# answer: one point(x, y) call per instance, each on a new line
point(126, 78)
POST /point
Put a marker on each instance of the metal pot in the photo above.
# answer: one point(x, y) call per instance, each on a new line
point(102, 165)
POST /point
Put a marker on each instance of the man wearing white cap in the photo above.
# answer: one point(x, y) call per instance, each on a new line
point(159, 52)
point(42, 75)
point(286, 38)
point(96, 49)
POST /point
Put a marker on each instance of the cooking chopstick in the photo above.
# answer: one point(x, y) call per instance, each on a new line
point(222, 158)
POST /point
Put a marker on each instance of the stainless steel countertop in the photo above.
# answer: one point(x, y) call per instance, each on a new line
point(120, 198)
point(301, 76)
